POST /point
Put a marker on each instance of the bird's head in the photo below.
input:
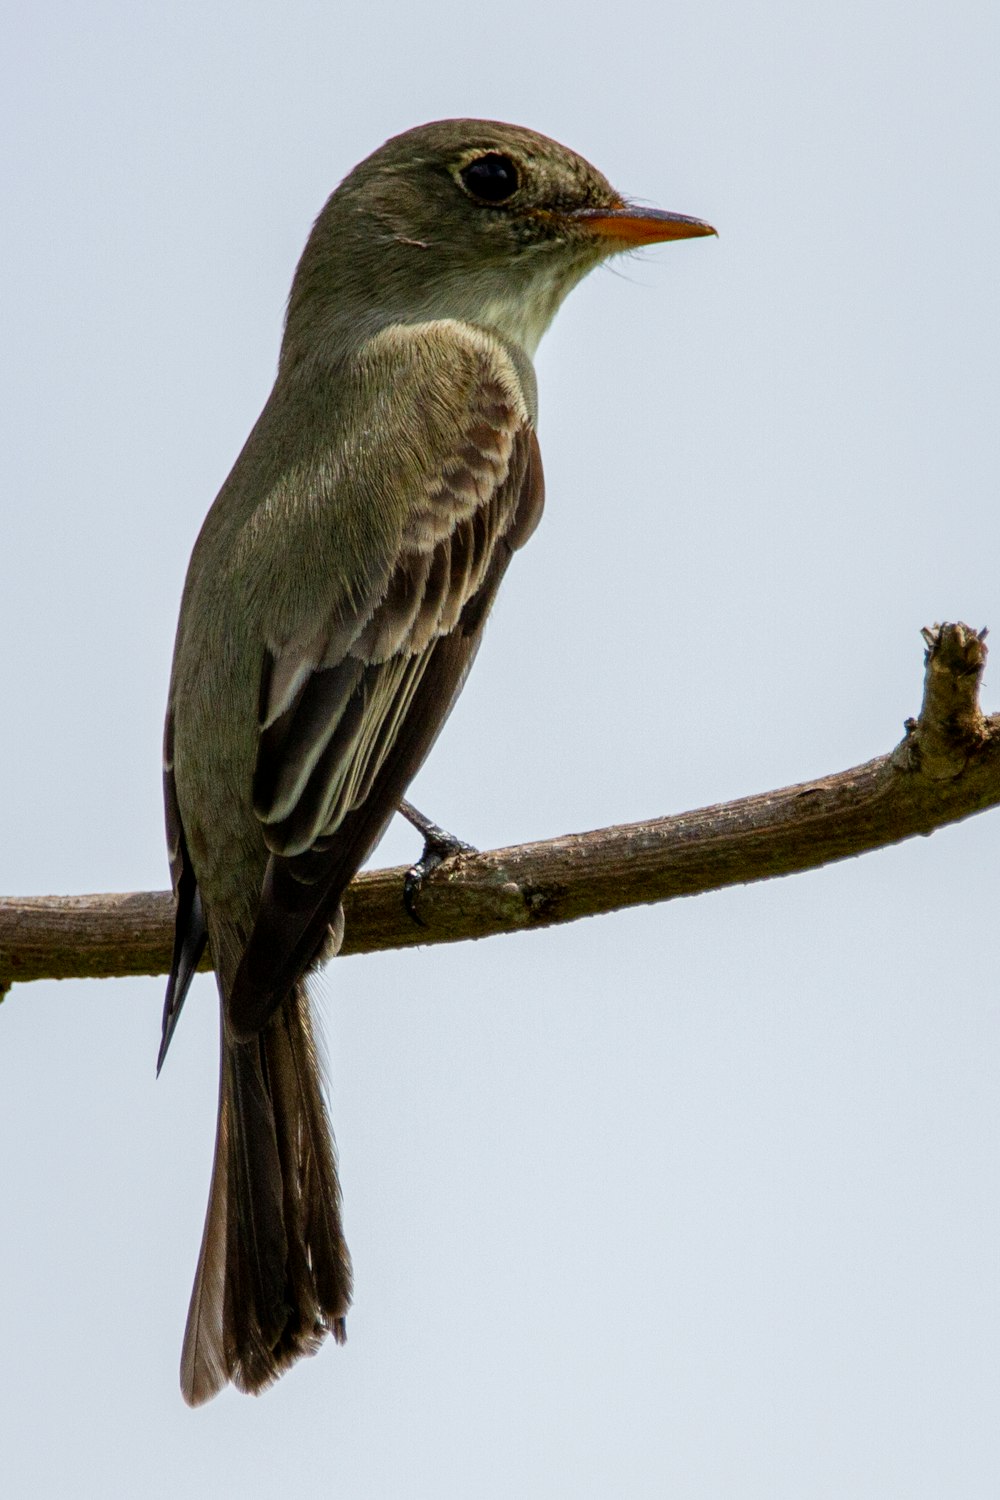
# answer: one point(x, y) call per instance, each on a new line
point(471, 219)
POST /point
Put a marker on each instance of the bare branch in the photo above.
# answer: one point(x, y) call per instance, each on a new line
point(946, 768)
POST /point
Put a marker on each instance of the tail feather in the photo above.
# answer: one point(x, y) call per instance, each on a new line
point(256, 1310)
point(203, 1363)
point(322, 1231)
point(274, 1273)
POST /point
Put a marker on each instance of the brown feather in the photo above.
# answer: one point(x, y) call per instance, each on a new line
point(348, 708)
point(274, 1274)
point(344, 762)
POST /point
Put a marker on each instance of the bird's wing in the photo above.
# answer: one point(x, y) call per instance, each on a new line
point(190, 932)
point(348, 712)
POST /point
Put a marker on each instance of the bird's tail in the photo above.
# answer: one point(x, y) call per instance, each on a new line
point(274, 1274)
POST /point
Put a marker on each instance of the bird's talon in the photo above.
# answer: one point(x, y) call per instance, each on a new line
point(439, 847)
point(412, 882)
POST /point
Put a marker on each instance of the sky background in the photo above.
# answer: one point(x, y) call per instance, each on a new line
point(700, 1200)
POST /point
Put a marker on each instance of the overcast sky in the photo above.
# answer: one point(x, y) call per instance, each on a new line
point(696, 1201)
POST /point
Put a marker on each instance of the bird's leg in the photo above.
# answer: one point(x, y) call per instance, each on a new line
point(438, 846)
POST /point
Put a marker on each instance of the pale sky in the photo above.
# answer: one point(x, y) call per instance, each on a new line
point(695, 1201)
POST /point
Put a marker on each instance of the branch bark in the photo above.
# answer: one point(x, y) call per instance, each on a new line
point(946, 768)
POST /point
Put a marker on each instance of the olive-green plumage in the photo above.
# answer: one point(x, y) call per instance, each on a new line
point(334, 602)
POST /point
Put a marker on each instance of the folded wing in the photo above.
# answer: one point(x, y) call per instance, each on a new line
point(349, 710)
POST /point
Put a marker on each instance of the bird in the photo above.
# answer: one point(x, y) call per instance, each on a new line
point(334, 603)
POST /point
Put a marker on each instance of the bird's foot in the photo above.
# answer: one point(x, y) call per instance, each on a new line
point(439, 846)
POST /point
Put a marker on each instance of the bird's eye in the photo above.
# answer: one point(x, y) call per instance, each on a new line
point(491, 178)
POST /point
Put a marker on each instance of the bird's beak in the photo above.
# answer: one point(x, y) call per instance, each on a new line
point(632, 225)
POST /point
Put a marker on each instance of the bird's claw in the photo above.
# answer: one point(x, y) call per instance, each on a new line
point(439, 847)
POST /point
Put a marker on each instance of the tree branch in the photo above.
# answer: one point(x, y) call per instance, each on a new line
point(945, 769)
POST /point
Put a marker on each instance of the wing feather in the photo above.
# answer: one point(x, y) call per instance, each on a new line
point(351, 697)
point(332, 751)
point(291, 746)
point(190, 932)
point(321, 725)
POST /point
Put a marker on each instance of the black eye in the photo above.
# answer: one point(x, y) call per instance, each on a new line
point(491, 178)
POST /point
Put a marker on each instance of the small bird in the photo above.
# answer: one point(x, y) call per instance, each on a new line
point(334, 602)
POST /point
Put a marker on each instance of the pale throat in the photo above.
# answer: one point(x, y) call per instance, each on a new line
point(518, 308)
